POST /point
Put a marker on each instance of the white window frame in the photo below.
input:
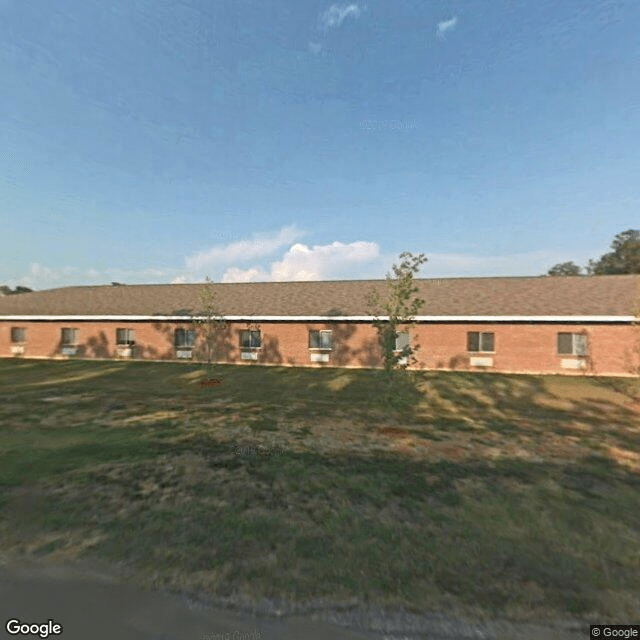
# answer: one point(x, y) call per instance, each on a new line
point(480, 341)
point(185, 333)
point(75, 336)
point(251, 347)
point(23, 332)
point(575, 338)
point(320, 332)
point(130, 337)
point(398, 349)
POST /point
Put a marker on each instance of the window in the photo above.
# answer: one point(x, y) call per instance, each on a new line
point(320, 339)
point(18, 334)
point(125, 337)
point(250, 340)
point(403, 340)
point(185, 338)
point(479, 341)
point(572, 344)
point(69, 336)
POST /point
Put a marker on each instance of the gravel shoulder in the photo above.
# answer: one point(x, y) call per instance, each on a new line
point(95, 602)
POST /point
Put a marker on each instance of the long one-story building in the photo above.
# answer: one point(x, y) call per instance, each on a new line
point(516, 324)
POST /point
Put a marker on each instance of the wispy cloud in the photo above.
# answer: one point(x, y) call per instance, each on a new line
point(43, 277)
point(336, 14)
point(531, 263)
point(447, 25)
point(315, 47)
point(261, 245)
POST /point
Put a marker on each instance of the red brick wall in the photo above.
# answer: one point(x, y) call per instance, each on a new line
point(518, 347)
point(530, 347)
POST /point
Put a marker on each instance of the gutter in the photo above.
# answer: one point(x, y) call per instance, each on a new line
point(332, 319)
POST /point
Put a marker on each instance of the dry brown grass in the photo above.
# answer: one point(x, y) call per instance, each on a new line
point(496, 494)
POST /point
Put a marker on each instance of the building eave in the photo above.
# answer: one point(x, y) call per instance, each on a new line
point(420, 319)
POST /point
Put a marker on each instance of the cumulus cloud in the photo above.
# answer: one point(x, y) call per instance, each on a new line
point(300, 262)
point(447, 25)
point(235, 274)
point(259, 246)
point(336, 14)
point(320, 262)
point(294, 261)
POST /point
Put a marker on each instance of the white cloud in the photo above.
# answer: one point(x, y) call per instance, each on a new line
point(259, 246)
point(43, 277)
point(334, 261)
point(447, 25)
point(336, 14)
point(532, 263)
point(234, 274)
point(40, 272)
point(150, 273)
point(315, 47)
point(321, 262)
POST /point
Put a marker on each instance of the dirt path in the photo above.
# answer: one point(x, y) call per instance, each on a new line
point(97, 605)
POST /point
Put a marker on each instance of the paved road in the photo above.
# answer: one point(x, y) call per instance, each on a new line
point(92, 605)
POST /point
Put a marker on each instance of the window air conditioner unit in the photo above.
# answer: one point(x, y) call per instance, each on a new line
point(573, 363)
point(475, 361)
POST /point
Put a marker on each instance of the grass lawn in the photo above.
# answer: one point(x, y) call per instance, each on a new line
point(511, 496)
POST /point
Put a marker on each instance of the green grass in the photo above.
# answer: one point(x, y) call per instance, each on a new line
point(501, 495)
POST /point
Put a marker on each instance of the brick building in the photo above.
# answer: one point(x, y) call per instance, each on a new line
point(523, 324)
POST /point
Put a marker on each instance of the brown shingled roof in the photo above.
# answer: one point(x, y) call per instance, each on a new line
point(521, 296)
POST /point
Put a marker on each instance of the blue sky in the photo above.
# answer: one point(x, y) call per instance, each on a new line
point(166, 140)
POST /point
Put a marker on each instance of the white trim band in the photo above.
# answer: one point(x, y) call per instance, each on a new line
point(123, 318)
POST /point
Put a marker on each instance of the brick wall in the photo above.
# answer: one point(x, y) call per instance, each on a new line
point(612, 349)
point(518, 347)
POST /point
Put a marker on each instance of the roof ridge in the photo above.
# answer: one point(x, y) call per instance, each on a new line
point(347, 281)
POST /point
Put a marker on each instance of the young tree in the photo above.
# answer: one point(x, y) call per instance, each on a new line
point(397, 310)
point(209, 323)
point(565, 269)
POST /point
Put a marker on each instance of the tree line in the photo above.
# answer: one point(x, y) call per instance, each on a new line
point(624, 257)
point(8, 291)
